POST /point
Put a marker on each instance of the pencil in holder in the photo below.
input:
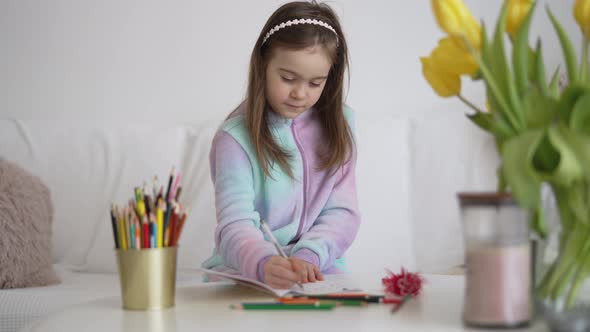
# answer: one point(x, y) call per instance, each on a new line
point(147, 277)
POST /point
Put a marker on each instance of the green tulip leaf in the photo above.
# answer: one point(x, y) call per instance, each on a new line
point(567, 48)
point(492, 124)
point(496, 87)
point(580, 116)
point(546, 158)
point(580, 144)
point(554, 89)
point(517, 167)
point(500, 67)
point(539, 78)
point(538, 222)
point(568, 99)
point(497, 101)
point(539, 109)
point(520, 53)
point(584, 74)
point(496, 110)
point(565, 213)
point(569, 168)
point(577, 198)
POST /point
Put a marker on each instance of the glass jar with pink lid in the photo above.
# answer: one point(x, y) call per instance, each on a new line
point(498, 290)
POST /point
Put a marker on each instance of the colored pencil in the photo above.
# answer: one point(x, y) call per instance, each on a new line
point(179, 226)
point(145, 227)
point(147, 221)
point(173, 191)
point(170, 179)
point(114, 225)
point(178, 192)
point(160, 223)
point(282, 306)
point(345, 297)
point(347, 303)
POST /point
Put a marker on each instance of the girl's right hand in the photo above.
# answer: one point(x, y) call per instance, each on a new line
point(278, 273)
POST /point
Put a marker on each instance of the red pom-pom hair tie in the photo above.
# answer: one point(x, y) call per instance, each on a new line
point(403, 284)
point(399, 288)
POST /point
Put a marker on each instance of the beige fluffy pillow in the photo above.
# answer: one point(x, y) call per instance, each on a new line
point(26, 214)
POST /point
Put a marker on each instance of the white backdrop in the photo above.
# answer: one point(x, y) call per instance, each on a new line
point(182, 61)
point(162, 59)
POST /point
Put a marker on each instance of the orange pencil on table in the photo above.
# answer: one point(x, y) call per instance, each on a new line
point(292, 300)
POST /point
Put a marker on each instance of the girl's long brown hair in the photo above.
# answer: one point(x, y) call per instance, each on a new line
point(339, 139)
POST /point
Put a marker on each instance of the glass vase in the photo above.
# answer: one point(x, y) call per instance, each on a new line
point(562, 291)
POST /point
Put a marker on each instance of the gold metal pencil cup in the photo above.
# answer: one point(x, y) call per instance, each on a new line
point(148, 277)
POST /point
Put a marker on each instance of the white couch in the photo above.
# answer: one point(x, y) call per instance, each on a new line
point(406, 179)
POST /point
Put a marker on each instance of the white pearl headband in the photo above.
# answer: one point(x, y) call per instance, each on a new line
point(295, 22)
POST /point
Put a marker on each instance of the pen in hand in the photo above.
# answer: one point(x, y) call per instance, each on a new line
point(273, 240)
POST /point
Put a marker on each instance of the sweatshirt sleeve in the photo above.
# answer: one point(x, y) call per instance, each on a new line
point(336, 227)
point(237, 236)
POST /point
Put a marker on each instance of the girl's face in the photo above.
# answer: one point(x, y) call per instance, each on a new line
point(295, 79)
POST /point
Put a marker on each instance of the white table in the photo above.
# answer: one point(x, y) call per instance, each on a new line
point(206, 307)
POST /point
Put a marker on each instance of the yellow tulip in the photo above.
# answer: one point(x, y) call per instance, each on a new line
point(517, 12)
point(582, 15)
point(454, 18)
point(444, 83)
point(454, 57)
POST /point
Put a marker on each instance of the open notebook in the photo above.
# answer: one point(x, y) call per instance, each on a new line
point(334, 283)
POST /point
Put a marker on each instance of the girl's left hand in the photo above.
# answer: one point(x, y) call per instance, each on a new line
point(308, 271)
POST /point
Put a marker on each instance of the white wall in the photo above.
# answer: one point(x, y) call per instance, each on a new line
point(180, 61)
point(189, 59)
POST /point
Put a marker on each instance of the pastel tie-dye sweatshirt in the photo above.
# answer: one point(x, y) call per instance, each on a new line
point(314, 216)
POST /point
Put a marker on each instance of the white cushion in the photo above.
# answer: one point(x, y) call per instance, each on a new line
point(383, 189)
point(196, 242)
point(86, 167)
point(90, 167)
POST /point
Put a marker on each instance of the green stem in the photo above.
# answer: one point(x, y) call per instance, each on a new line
point(568, 271)
point(564, 282)
point(584, 63)
point(468, 103)
point(497, 92)
point(502, 185)
point(581, 276)
point(561, 272)
point(543, 288)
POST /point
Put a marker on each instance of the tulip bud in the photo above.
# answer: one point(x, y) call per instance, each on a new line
point(582, 15)
point(454, 18)
point(444, 83)
point(452, 54)
point(517, 12)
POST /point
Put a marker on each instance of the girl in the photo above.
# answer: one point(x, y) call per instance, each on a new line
point(287, 155)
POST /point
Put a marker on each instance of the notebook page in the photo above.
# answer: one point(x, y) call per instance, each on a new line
point(238, 278)
point(331, 284)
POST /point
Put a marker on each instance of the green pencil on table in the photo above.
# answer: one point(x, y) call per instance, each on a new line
point(282, 306)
